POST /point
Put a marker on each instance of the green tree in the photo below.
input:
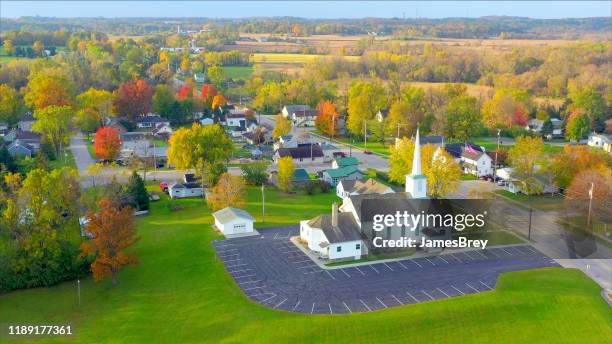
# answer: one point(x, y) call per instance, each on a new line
point(136, 188)
point(11, 105)
point(9, 48)
point(255, 174)
point(462, 118)
point(162, 101)
point(578, 125)
point(53, 122)
point(216, 75)
point(94, 107)
point(525, 158)
point(592, 102)
point(364, 101)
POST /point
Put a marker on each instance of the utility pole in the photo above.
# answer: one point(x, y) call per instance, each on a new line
point(496, 152)
point(590, 204)
point(154, 161)
point(263, 204)
point(365, 135)
point(79, 291)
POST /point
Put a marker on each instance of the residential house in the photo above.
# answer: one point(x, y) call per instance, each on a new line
point(300, 177)
point(163, 129)
point(344, 162)
point(25, 137)
point(207, 121)
point(334, 175)
point(356, 187)
point(511, 184)
point(472, 158)
point(236, 118)
point(258, 136)
point(347, 233)
point(301, 155)
point(436, 140)
point(199, 77)
point(286, 141)
point(300, 115)
point(234, 222)
point(601, 141)
point(557, 128)
point(382, 115)
point(115, 124)
point(3, 126)
point(535, 125)
point(20, 149)
point(184, 190)
point(150, 121)
point(26, 121)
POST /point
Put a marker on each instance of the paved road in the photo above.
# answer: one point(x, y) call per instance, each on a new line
point(272, 271)
point(80, 153)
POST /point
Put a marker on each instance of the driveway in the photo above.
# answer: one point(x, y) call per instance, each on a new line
point(272, 271)
point(80, 153)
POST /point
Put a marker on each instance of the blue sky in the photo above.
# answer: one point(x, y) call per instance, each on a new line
point(306, 9)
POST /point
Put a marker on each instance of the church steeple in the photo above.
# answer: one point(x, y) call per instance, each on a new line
point(416, 183)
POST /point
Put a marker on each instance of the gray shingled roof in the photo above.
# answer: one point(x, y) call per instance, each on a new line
point(347, 229)
point(228, 214)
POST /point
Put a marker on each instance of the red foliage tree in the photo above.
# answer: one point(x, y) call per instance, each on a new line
point(185, 92)
point(133, 99)
point(113, 231)
point(208, 93)
point(521, 116)
point(107, 143)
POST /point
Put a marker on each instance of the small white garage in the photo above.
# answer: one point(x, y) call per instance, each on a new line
point(234, 222)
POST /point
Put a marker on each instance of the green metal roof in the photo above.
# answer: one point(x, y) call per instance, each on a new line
point(342, 171)
point(347, 161)
point(300, 174)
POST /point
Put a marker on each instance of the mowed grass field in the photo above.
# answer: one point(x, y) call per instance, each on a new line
point(181, 293)
point(238, 72)
point(291, 58)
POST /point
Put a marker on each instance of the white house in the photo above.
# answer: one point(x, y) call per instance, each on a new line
point(381, 115)
point(236, 118)
point(150, 121)
point(513, 186)
point(232, 221)
point(162, 129)
point(333, 236)
point(184, 190)
point(476, 162)
point(26, 121)
point(600, 141)
point(300, 115)
point(207, 121)
point(357, 187)
point(286, 141)
point(334, 175)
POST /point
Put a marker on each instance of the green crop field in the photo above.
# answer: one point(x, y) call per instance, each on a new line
point(238, 72)
point(181, 293)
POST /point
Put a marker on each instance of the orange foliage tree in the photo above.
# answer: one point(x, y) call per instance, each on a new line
point(327, 117)
point(113, 231)
point(208, 93)
point(185, 92)
point(578, 158)
point(218, 101)
point(107, 143)
point(578, 193)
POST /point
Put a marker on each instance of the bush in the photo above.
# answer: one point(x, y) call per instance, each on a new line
point(324, 186)
point(310, 187)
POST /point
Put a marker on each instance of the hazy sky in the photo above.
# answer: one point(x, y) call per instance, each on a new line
point(306, 9)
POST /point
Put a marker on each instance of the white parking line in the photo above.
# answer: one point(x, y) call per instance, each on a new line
point(442, 291)
point(493, 253)
point(330, 275)
point(312, 309)
point(514, 248)
point(347, 307)
point(330, 310)
point(232, 260)
point(249, 282)
point(476, 290)
point(253, 275)
point(505, 251)
point(273, 296)
point(381, 302)
point(360, 270)
point(241, 270)
point(462, 293)
point(366, 306)
point(374, 269)
point(402, 265)
point(306, 266)
point(233, 266)
point(414, 298)
point(481, 282)
point(296, 305)
point(280, 303)
point(432, 263)
point(347, 275)
point(429, 296)
point(531, 249)
point(275, 236)
point(444, 260)
point(254, 288)
point(419, 265)
point(471, 258)
point(388, 267)
point(453, 255)
point(482, 254)
point(396, 299)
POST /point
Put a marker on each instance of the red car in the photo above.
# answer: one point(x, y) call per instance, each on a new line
point(367, 152)
point(164, 186)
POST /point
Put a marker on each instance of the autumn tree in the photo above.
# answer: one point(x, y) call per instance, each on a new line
point(286, 170)
point(208, 93)
point(578, 194)
point(576, 158)
point(364, 101)
point(48, 87)
point(113, 232)
point(38, 48)
point(11, 105)
point(94, 107)
point(441, 170)
point(282, 126)
point(593, 104)
point(53, 122)
point(107, 143)
point(163, 100)
point(216, 75)
point(507, 108)
point(185, 92)
point(204, 148)
point(462, 118)
point(218, 102)
point(525, 158)
point(133, 99)
point(578, 125)
point(228, 192)
point(9, 48)
point(406, 113)
point(327, 117)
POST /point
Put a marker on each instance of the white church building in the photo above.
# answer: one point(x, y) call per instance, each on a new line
point(347, 232)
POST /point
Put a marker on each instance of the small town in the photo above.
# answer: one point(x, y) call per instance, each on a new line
point(263, 174)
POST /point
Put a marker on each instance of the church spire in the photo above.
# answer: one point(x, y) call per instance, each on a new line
point(416, 159)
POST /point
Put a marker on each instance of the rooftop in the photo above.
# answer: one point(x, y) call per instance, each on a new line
point(229, 214)
point(346, 230)
point(342, 171)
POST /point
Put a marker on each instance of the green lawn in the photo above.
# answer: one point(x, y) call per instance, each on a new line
point(90, 149)
point(238, 72)
point(64, 159)
point(181, 293)
point(542, 202)
point(492, 146)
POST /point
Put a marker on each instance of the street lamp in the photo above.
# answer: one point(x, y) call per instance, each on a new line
point(496, 152)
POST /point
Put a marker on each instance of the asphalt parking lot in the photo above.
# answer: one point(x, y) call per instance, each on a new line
point(271, 270)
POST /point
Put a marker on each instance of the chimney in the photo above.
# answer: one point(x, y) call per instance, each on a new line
point(334, 217)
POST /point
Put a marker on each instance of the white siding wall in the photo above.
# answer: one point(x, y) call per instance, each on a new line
point(349, 249)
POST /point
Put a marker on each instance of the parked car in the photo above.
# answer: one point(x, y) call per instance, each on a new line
point(164, 186)
point(367, 152)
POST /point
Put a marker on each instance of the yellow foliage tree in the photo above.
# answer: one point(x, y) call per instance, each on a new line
point(229, 192)
point(282, 126)
point(286, 169)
